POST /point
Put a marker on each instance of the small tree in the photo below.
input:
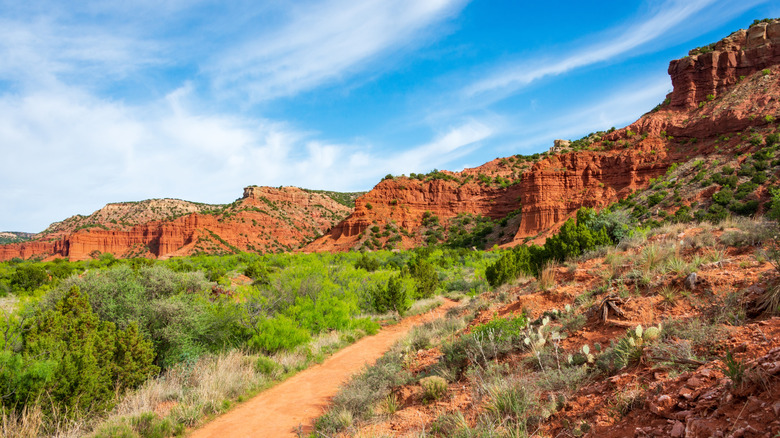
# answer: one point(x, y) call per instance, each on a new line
point(79, 360)
point(393, 297)
point(425, 275)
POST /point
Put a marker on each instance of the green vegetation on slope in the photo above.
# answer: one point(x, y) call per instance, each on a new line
point(85, 337)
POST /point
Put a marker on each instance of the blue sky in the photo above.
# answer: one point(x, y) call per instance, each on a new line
point(106, 101)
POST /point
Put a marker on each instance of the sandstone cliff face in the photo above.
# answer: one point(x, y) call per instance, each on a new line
point(404, 202)
point(264, 220)
point(124, 215)
point(717, 95)
point(557, 187)
point(740, 54)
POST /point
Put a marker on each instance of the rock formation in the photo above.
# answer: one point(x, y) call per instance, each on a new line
point(711, 70)
point(264, 220)
point(719, 92)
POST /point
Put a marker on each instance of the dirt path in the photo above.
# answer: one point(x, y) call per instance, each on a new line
point(300, 399)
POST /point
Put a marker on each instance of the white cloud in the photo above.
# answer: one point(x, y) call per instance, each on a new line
point(324, 42)
point(70, 152)
point(40, 52)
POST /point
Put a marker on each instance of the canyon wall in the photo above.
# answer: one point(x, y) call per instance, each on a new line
point(722, 93)
point(264, 220)
point(739, 55)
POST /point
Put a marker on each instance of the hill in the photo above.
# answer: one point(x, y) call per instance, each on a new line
point(264, 220)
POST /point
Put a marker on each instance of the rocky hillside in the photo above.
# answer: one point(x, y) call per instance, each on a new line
point(725, 95)
point(14, 237)
point(264, 220)
point(125, 215)
point(670, 334)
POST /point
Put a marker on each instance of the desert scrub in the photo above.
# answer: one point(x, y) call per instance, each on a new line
point(547, 276)
point(450, 425)
point(364, 394)
point(627, 350)
point(434, 388)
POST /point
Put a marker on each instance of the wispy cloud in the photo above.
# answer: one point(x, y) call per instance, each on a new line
point(70, 152)
point(325, 42)
point(621, 107)
point(668, 17)
point(41, 53)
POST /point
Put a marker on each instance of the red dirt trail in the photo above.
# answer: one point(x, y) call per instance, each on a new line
point(279, 411)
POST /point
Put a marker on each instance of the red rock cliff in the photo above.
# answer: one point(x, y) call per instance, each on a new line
point(264, 220)
point(731, 88)
point(739, 55)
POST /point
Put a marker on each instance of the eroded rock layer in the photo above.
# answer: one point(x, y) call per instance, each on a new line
point(724, 63)
point(722, 91)
point(264, 220)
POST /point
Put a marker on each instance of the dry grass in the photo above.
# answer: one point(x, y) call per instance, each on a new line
point(614, 258)
point(8, 303)
point(668, 230)
point(770, 301)
point(32, 422)
point(654, 256)
point(425, 305)
point(677, 265)
point(637, 239)
point(208, 383)
point(27, 424)
point(704, 239)
point(291, 360)
point(546, 279)
point(669, 294)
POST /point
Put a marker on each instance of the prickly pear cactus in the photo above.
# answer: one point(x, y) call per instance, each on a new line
point(586, 352)
point(652, 333)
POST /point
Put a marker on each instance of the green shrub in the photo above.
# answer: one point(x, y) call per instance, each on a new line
point(747, 169)
point(424, 273)
point(28, 277)
point(259, 273)
point(367, 262)
point(774, 208)
point(655, 198)
point(683, 215)
point(76, 359)
point(761, 164)
point(759, 178)
point(278, 333)
point(434, 387)
point(715, 214)
point(723, 197)
point(746, 208)
point(393, 297)
point(171, 308)
point(726, 181)
point(503, 329)
point(265, 365)
point(745, 189)
point(588, 231)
